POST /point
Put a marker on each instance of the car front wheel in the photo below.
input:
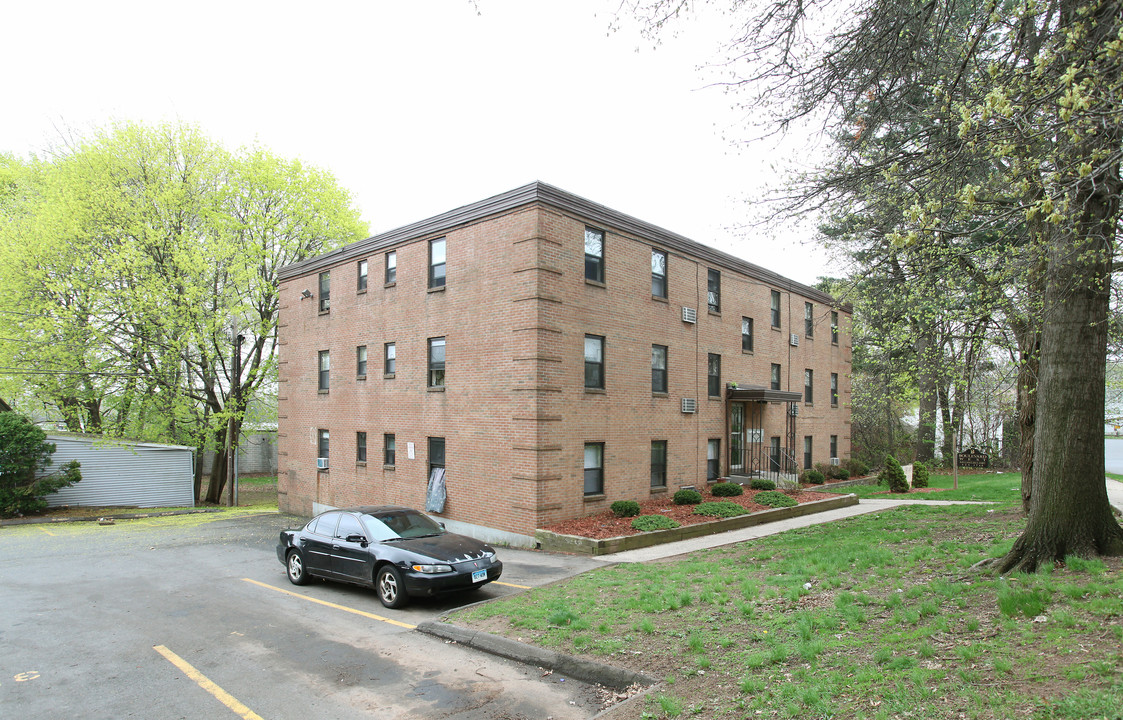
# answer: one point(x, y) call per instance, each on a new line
point(388, 583)
point(296, 572)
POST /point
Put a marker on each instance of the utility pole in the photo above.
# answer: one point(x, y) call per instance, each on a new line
point(233, 404)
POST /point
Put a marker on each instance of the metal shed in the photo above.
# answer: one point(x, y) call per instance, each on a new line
point(120, 472)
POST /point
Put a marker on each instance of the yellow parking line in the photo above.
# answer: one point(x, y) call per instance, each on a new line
point(520, 587)
point(45, 530)
point(344, 608)
point(204, 682)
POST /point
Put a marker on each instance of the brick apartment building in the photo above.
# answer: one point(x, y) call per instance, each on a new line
point(551, 355)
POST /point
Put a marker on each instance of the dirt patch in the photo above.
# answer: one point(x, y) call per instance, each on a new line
point(606, 525)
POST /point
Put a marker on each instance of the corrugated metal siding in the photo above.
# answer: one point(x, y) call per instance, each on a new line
point(140, 475)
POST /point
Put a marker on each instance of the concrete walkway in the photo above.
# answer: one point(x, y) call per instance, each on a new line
point(864, 507)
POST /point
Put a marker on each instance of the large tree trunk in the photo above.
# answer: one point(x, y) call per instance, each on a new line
point(1069, 512)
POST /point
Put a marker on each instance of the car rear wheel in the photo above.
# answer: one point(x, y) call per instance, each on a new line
point(295, 566)
point(388, 583)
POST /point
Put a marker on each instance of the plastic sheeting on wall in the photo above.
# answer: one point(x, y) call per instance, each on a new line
point(435, 496)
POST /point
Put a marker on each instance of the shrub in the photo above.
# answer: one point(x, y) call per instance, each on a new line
point(812, 477)
point(24, 452)
point(647, 523)
point(720, 509)
point(857, 468)
point(842, 474)
point(726, 489)
point(893, 476)
point(762, 484)
point(919, 475)
point(625, 508)
point(775, 499)
point(687, 497)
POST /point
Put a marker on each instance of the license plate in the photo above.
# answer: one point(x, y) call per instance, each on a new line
point(479, 576)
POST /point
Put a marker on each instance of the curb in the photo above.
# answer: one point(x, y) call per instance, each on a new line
point(577, 668)
point(122, 516)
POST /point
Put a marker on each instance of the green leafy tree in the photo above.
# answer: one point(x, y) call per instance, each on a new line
point(178, 241)
point(1008, 161)
point(24, 454)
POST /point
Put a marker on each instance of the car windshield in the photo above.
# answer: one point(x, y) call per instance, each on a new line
point(401, 524)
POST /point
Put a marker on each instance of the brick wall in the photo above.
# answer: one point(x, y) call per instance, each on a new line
point(514, 411)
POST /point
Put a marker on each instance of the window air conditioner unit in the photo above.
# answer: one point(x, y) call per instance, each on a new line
point(688, 405)
point(321, 463)
point(835, 461)
point(794, 340)
point(689, 315)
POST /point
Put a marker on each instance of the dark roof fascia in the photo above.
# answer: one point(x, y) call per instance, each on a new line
point(587, 210)
point(757, 393)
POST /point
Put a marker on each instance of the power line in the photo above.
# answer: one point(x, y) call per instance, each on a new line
point(17, 371)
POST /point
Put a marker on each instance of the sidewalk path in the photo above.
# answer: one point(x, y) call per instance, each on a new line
point(1115, 494)
point(863, 507)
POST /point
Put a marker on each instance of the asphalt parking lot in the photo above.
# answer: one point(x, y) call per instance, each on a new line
point(190, 617)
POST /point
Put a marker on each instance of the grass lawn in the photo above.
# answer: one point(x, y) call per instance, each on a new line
point(878, 616)
point(987, 487)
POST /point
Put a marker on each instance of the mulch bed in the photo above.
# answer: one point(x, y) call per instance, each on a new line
point(606, 525)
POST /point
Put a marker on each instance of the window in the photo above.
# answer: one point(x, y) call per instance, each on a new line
point(325, 371)
point(360, 447)
point(437, 263)
point(746, 334)
point(834, 391)
point(834, 327)
point(322, 443)
point(834, 446)
point(594, 362)
point(436, 362)
point(775, 376)
point(713, 375)
point(658, 273)
point(775, 308)
point(808, 319)
point(325, 291)
point(806, 452)
point(713, 459)
point(391, 267)
point(594, 468)
point(361, 283)
point(391, 359)
point(361, 362)
point(436, 454)
point(808, 385)
point(658, 368)
point(349, 526)
point(713, 290)
point(594, 255)
point(389, 452)
point(658, 463)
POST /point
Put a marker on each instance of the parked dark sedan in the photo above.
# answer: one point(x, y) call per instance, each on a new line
point(397, 551)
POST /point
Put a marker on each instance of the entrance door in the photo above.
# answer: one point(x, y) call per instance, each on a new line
point(737, 439)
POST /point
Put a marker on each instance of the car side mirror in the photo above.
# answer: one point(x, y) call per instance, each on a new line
point(442, 526)
point(361, 539)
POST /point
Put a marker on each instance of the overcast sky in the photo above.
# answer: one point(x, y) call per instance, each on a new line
point(418, 107)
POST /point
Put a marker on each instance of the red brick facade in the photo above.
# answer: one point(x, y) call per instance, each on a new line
point(514, 410)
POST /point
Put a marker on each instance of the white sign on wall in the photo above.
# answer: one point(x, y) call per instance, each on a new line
point(409, 450)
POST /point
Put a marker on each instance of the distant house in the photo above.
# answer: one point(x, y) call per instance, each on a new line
point(124, 473)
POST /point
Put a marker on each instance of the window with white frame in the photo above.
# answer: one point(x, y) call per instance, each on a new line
point(658, 273)
point(594, 468)
point(594, 255)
